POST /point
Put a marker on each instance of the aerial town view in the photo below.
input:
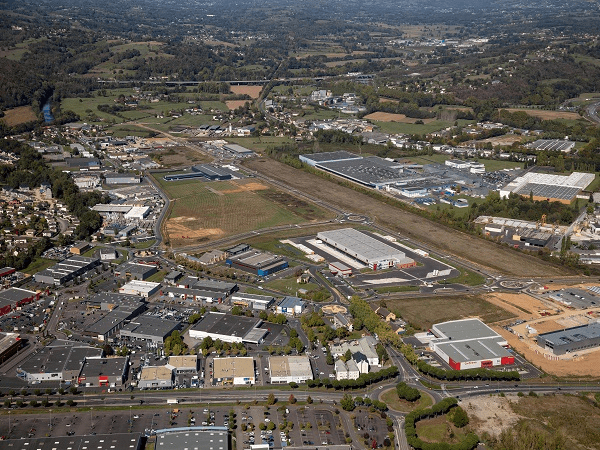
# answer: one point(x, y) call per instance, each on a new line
point(299, 224)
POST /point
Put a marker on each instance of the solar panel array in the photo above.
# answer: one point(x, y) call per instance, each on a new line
point(552, 145)
point(549, 191)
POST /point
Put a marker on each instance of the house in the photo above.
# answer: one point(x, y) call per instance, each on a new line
point(383, 313)
point(346, 370)
point(340, 320)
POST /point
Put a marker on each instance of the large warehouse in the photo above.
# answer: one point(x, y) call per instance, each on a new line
point(470, 344)
point(12, 298)
point(256, 262)
point(288, 369)
point(366, 249)
point(554, 188)
point(234, 370)
point(572, 339)
point(228, 328)
point(66, 270)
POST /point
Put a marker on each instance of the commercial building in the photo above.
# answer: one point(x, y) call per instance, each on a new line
point(80, 247)
point(290, 306)
point(142, 288)
point(135, 271)
point(12, 298)
point(366, 346)
point(228, 328)
point(108, 325)
point(184, 363)
point(288, 369)
point(257, 262)
point(108, 254)
point(107, 301)
point(252, 301)
point(366, 249)
point(192, 438)
point(204, 284)
point(121, 178)
point(236, 250)
point(104, 371)
point(316, 158)
point(10, 343)
point(129, 441)
point(156, 377)
point(149, 328)
point(470, 344)
point(543, 186)
point(339, 268)
point(196, 295)
point(59, 363)
point(238, 150)
point(172, 277)
point(234, 370)
point(137, 213)
point(571, 340)
point(66, 270)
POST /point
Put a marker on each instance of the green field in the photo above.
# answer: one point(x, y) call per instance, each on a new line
point(390, 398)
point(205, 210)
point(38, 265)
point(424, 312)
point(439, 429)
point(261, 143)
point(413, 128)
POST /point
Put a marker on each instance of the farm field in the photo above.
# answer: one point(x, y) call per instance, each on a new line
point(390, 117)
point(252, 91)
point(203, 211)
point(547, 115)
point(409, 224)
point(19, 115)
point(424, 312)
point(233, 104)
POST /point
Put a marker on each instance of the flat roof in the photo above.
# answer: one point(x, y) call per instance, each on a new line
point(123, 209)
point(290, 366)
point(13, 295)
point(156, 373)
point(331, 156)
point(226, 324)
point(549, 191)
point(183, 361)
point(136, 268)
point(114, 298)
point(142, 286)
point(360, 245)
point(7, 340)
point(96, 442)
point(111, 367)
point(459, 330)
point(256, 258)
point(193, 439)
point(151, 326)
point(370, 171)
point(572, 335)
point(108, 323)
point(231, 367)
point(291, 302)
point(58, 359)
point(237, 148)
point(474, 350)
point(253, 297)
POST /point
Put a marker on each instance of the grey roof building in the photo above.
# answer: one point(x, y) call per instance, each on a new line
point(572, 339)
point(60, 363)
point(66, 270)
point(129, 441)
point(108, 325)
point(149, 328)
point(228, 328)
point(110, 300)
point(197, 438)
point(104, 371)
point(135, 271)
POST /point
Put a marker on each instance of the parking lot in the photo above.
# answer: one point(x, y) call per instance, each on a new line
point(28, 319)
point(576, 298)
point(370, 426)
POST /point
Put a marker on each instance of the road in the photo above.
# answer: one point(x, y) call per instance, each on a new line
point(592, 111)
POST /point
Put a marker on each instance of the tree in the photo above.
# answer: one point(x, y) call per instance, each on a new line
point(271, 426)
point(271, 399)
point(292, 399)
point(236, 310)
point(262, 426)
point(309, 400)
point(346, 356)
point(347, 403)
point(459, 417)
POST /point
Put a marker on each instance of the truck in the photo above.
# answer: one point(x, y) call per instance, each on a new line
point(172, 401)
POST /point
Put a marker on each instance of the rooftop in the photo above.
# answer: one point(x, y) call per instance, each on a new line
point(150, 373)
point(151, 326)
point(95, 442)
point(361, 245)
point(571, 335)
point(226, 324)
point(193, 438)
point(290, 366)
point(111, 367)
point(233, 367)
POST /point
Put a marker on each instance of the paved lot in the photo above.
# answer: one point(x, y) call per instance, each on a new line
point(370, 424)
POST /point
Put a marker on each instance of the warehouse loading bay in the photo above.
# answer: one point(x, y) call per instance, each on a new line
point(427, 271)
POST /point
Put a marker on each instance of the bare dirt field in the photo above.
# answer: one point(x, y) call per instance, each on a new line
point(508, 139)
point(234, 104)
point(482, 252)
point(390, 117)
point(252, 91)
point(547, 115)
point(17, 116)
point(490, 414)
point(333, 309)
point(522, 305)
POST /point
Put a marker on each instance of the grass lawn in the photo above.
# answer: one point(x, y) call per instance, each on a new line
point(386, 289)
point(260, 144)
point(158, 276)
point(90, 252)
point(289, 286)
point(467, 278)
point(424, 312)
point(276, 246)
point(37, 265)
point(439, 429)
point(390, 398)
point(145, 244)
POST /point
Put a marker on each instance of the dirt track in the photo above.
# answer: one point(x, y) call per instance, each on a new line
point(482, 252)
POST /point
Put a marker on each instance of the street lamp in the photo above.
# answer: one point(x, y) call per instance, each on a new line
point(129, 415)
point(50, 424)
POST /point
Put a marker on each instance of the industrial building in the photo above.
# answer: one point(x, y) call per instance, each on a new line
point(234, 370)
point(253, 301)
point(204, 284)
point(58, 363)
point(316, 158)
point(288, 369)
point(142, 288)
point(66, 270)
point(80, 248)
point(257, 262)
point(121, 178)
point(228, 328)
point(104, 371)
point(238, 150)
point(135, 271)
point(471, 166)
point(339, 268)
point(156, 377)
point(366, 249)
point(108, 325)
point(107, 301)
point(571, 340)
point(10, 343)
point(371, 171)
point(192, 438)
point(129, 441)
point(366, 346)
point(290, 306)
point(470, 344)
point(554, 188)
point(562, 145)
point(149, 328)
point(206, 171)
point(12, 298)
point(196, 295)
point(184, 363)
